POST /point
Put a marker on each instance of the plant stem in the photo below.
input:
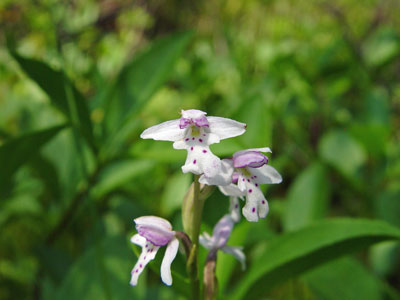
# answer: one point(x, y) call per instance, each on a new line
point(192, 263)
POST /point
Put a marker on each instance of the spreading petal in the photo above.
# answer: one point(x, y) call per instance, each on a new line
point(148, 253)
point(169, 256)
point(156, 230)
point(225, 128)
point(266, 175)
point(166, 131)
point(237, 253)
point(222, 178)
point(206, 241)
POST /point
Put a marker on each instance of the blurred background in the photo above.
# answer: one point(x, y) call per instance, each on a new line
point(317, 81)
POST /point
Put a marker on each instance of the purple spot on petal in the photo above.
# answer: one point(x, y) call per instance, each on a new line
point(263, 202)
point(193, 139)
point(200, 140)
point(194, 162)
point(243, 179)
point(236, 206)
point(250, 190)
point(141, 266)
point(191, 148)
point(256, 184)
point(146, 245)
point(204, 134)
point(248, 180)
point(137, 270)
point(254, 209)
point(186, 139)
point(255, 176)
point(204, 151)
point(144, 257)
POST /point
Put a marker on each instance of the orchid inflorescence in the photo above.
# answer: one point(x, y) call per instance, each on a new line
point(238, 177)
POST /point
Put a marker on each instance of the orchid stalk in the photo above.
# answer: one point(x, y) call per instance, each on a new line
point(238, 177)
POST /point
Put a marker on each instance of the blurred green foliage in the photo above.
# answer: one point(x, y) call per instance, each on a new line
point(317, 81)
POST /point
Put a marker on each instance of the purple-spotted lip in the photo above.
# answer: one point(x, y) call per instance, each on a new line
point(252, 159)
point(199, 122)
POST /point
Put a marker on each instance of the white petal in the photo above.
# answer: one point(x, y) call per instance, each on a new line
point(222, 178)
point(264, 149)
point(206, 241)
point(234, 209)
point(192, 113)
point(231, 190)
point(138, 240)
point(225, 128)
point(237, 253)
point(149, 251)
point(169, 256)
point(154, 221)
point(166, 131)
point(256, 205)
point(266, 175)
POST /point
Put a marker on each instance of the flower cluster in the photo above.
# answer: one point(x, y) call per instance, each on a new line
point(238, 177)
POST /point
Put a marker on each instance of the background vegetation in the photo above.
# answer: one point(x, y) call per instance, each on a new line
point(317, 81)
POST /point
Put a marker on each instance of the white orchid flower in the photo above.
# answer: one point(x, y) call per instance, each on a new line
point(153, 233)
point(251, 170)
point(194, 131)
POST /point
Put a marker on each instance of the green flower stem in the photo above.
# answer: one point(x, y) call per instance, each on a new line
point(192, 211)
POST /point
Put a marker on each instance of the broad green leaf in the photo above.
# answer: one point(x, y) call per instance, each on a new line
point(381, 47)
point(296, 252)
point(17, 151)
point(308, 197)
point(342, 151)
point(140, 79)
point(255, 114)
point(120, 173)
point(345, 278)
point(174, 192)
point(102, 272)
point(61, 92)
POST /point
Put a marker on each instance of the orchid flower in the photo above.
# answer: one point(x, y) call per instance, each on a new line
point(251, 170)
point(219, 238)
point(195, 132)
point(153, 233)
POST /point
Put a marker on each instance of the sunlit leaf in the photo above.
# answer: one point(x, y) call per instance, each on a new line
point(307, 197)
point(345, 278)
point(17, 151)
point(293, 253)
point(342, 151)
point(61, 92)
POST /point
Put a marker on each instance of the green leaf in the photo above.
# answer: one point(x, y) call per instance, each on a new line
point(174, 192)
point(345, 278)
point(18, 151)
point(61, 92)
point(296, 252)
point(120, 173)
point(140, 79)
point(308, 197)
point(101, 270)
point(342, 151)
